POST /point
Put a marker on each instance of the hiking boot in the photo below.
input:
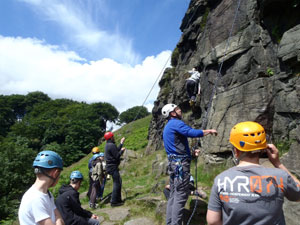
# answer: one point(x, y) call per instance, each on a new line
point(115, 204)
point(192, 103)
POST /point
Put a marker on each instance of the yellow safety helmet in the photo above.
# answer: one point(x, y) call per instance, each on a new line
point(95, 150)
point(248, 136)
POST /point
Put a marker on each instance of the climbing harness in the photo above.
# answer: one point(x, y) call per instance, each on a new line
point(178, 159)
point(205, 121)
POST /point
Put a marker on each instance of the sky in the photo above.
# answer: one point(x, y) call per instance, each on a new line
point(88, 50)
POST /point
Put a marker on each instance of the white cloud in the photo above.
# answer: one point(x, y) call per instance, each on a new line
point(77, 20)
point(29, 65)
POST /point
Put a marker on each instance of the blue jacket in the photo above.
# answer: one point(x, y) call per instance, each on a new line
point(175, 136)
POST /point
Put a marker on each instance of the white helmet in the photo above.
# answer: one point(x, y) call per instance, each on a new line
point(165, 111)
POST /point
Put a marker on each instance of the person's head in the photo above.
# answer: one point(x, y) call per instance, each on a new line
point(76, 178)
point(95, 150)
point(48, 164)
point(248, 139)
point(109, 136)
point(171, 110)
point(101, 156)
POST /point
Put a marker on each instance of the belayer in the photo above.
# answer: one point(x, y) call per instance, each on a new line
point(175, 140)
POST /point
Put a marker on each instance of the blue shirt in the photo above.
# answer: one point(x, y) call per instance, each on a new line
point(175, 136)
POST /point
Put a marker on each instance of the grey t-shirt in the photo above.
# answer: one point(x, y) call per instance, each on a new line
point(252, 195)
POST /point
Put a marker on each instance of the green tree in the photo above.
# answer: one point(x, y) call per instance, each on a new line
point(106, 112)
point(16, 174)
point(17, 104)
point(134, 113)
point(33, 98)
point(7, 118)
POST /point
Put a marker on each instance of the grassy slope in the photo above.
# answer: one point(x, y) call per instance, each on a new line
point(137, 176)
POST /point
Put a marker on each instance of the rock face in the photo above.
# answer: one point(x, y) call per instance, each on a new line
point(250, 64)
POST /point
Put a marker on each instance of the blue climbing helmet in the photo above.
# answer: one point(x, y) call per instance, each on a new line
point(101, 154)
point(76, 175)
point(48, 159)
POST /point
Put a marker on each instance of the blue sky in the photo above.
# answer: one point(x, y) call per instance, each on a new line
point(87, 50)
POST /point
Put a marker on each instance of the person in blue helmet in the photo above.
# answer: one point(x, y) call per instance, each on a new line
point(95, 151)
point(104, 176)
point(98, 177)
point(69, 205)
point(175, 138)
point(37, 204)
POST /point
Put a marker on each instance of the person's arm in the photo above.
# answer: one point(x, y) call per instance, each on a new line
point(215, 205)
point(121, 144)
point(75, 205)
point(273, 155)
point(58, 218)
point(47, 221)
point(213, 217)
point(186, 130)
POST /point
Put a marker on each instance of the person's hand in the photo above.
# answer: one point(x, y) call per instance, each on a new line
point(123, 149)
point(212, 131)
point(197, 152)
point(273, 155)
point(94, 217)
point(122, 140)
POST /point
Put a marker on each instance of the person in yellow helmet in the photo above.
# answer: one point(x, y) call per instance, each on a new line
point(250, 193)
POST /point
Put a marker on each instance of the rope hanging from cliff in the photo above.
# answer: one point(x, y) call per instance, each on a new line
point(204, 123)
point(159, 75)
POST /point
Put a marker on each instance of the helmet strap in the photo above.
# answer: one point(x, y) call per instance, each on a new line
point(236, 160)
point(177, 116)
point(42, 171)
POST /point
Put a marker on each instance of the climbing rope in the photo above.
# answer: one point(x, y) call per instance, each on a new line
point(159, 75)
point(204, 123)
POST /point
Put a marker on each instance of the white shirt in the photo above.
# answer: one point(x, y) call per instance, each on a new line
point(35, 207)
point(195, 75)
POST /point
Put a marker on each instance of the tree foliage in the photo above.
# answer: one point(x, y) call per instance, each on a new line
point(16, 173)
point(34, 122)
point(134, 113)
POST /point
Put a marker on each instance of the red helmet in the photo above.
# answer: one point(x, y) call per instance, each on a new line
point(108, 135)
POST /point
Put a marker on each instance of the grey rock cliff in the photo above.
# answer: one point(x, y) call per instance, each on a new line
point(252, 74)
